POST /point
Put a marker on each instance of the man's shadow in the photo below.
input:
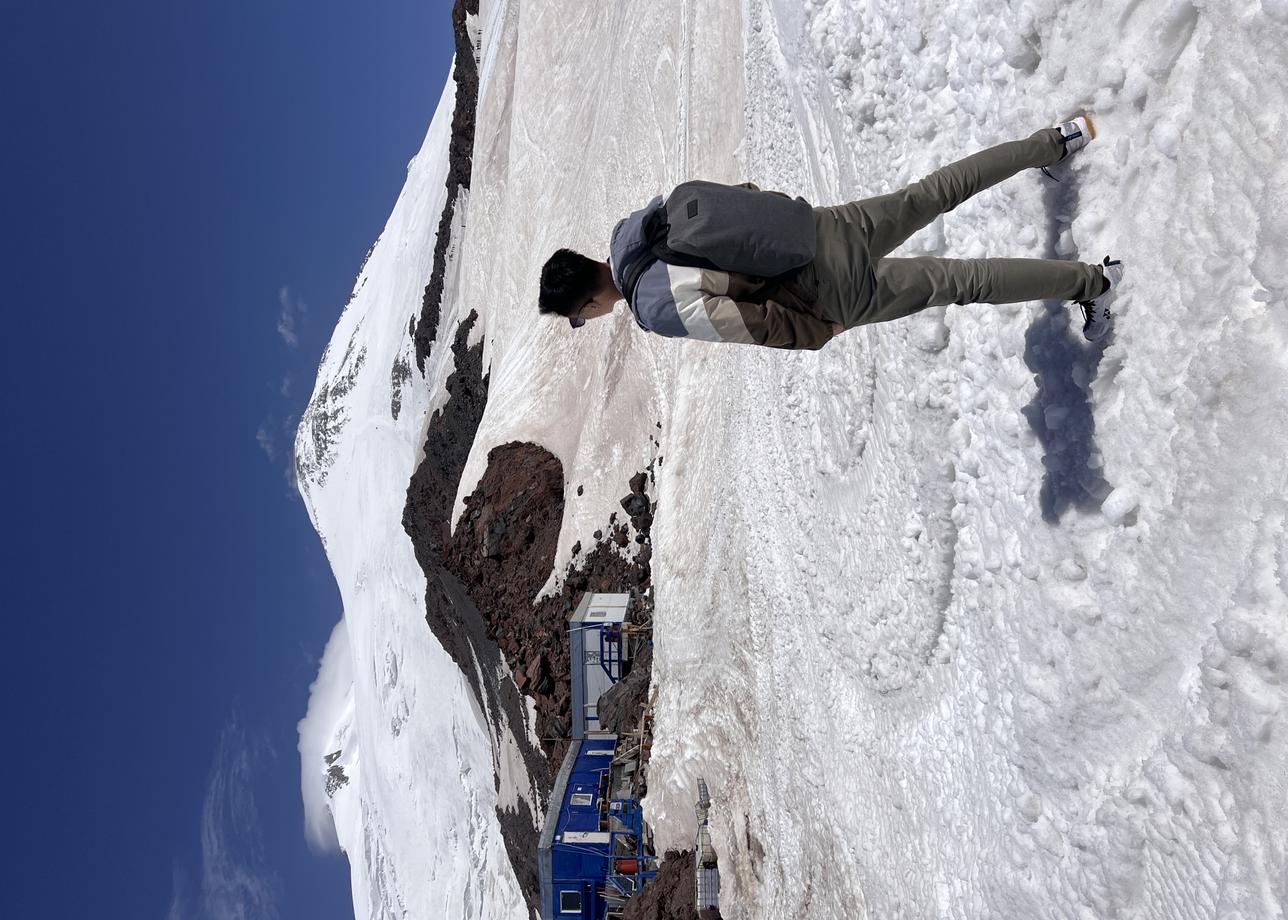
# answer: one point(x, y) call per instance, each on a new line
point(1065, 364)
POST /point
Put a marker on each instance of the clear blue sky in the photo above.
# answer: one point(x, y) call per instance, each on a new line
point(174, 174)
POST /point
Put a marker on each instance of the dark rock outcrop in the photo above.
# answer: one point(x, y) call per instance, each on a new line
point(459, 167)
point(449, 610)
point(447, 446)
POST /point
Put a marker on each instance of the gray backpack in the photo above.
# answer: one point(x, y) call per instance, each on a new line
point(725, 227)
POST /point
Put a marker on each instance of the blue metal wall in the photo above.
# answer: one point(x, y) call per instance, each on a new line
point(575, 865)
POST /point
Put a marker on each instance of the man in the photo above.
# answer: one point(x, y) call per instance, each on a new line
point(852, 280)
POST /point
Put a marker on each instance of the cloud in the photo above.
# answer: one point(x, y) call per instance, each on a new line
point(179, 896)
point(264, 436)
point(277, 438)
point(235, 882)
point(328, 697)
point(292, 310)
point(269, 436)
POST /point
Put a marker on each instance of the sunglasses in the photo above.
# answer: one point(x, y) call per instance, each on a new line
point(575, 320)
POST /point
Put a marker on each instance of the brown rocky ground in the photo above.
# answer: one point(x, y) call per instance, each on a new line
point(482, 578)
point(669, 896)
point(502, 550)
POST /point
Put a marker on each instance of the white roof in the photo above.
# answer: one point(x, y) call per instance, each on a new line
point(601, 608)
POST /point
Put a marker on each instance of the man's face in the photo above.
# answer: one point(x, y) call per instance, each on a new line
point(600, 305)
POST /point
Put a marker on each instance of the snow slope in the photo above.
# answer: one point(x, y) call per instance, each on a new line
point(413, 803)
point(957, 616)
point(942, 678)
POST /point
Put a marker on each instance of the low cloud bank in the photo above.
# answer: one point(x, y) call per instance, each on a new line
point(327, 696)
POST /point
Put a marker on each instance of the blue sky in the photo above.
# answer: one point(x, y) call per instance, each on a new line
point(189, 191)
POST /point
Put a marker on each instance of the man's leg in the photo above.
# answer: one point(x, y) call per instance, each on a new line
point(888, 220)
point(906, 286)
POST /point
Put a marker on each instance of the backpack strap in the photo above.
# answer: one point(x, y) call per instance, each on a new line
point(655, 228)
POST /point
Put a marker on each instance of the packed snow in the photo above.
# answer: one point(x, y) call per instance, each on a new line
point(958, 616)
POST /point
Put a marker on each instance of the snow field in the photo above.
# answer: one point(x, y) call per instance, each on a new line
point(998, 608)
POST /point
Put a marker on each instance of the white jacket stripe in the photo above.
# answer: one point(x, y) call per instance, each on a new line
point(706, 317)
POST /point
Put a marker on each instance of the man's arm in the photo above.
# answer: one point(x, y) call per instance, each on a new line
point(773, 325)
point(710, 315)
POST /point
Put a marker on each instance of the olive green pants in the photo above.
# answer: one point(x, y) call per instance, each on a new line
point(859, 283)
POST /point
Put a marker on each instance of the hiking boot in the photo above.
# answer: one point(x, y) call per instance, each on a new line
point(1097, 319)
point(1076, 133)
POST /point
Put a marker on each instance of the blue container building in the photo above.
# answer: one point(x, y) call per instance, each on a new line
point(595, 850)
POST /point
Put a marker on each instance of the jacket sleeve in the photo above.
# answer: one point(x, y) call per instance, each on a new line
point(710, 315)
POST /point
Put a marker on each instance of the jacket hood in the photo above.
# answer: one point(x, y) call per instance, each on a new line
point(628, 241)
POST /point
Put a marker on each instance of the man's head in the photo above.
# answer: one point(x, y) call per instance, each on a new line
point(577, 287)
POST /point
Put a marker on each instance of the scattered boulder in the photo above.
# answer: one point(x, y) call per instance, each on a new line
point(634, 504)
point(536, 669)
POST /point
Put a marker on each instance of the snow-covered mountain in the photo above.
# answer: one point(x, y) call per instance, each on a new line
point(958, 616)
point(397, 755)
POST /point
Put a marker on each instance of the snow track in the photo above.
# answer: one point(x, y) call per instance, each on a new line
point(976, 633)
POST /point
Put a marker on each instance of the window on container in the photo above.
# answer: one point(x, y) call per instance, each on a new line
point(570, 902)
point(583, 798)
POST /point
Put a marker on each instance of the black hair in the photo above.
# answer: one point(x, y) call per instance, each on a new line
point(568, 280)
